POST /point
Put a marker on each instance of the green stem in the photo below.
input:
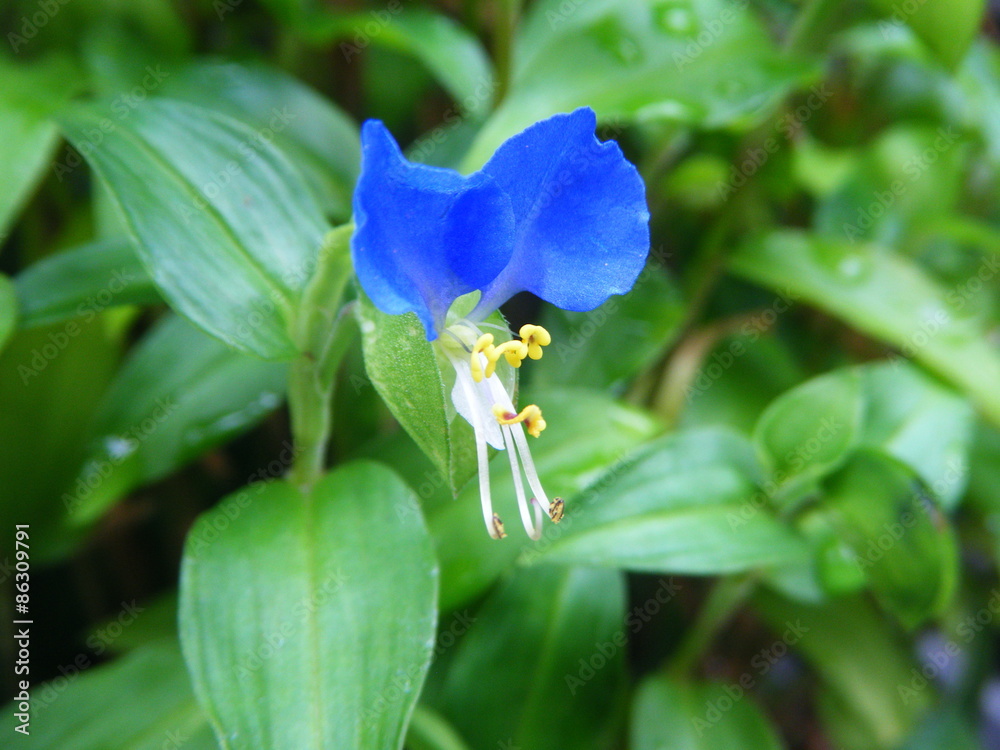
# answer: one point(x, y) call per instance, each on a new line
point(726, 597)
point(309, 403)
point(324, 330)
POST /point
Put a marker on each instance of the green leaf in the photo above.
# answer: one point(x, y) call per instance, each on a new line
point(8, 310)
point(883, 295)
point(896, 535)
point(569, 456)
point(808, 431)
point(449, 51)
point(179, 394)
point(609, 345)
point(51, 380)
point(326, 639)
point(689, 716)
point(641, 61)
point(430, 731)
point(224, 224)
point(29, 96)
point(416, 385)
point(948, 27)
point(316, 136)
point(82, 281)
point(866, 669)
point(687, 503)
point(542, 663)
point(921, 422)
point(142, 701)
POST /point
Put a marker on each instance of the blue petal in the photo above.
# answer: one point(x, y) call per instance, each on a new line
point(424, 236)
point(582, 227)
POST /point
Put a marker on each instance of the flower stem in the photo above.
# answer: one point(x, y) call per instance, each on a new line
point(324, 330)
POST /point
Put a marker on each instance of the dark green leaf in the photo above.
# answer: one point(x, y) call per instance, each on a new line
point(224, 224)
point(180, 393)
point(921, 422)
point(308, 621)
point(688, 716)
point(946, 26)
point(886, 296)
point(809, 430)
point(82, 281)
point(8, 310)
point(687, 503)
point(29, 96)
point(896, 534)
point(540, 666)
point(641, 61)
point(142, 701)
point(416, 385)
point(872, 693)
point(51, 380)
point(610, 345)
point(452, 53)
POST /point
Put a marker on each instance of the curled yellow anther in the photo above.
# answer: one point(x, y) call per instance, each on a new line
point(531, 415)
point(513, 351)
point(484, 345)
point(535, 337)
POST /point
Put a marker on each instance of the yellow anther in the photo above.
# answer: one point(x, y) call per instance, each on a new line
point(513, 351)
point(484, 345)
point(535, 337)
point(531, 415)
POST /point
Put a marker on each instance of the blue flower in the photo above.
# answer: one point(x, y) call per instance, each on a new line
point(554, 212)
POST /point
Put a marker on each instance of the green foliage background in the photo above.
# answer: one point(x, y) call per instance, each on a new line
point(251, 524)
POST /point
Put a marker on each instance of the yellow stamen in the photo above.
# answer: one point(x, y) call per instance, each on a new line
point(531, 415)
point(513, 351)
point(484, 345)
point(535, 337)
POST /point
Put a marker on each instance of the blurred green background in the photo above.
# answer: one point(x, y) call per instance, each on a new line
point(780, 452)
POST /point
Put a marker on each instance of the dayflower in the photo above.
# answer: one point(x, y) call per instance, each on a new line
point(554, 212)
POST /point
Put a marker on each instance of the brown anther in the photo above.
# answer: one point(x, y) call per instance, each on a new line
point(556, 510)
point(498, 532)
